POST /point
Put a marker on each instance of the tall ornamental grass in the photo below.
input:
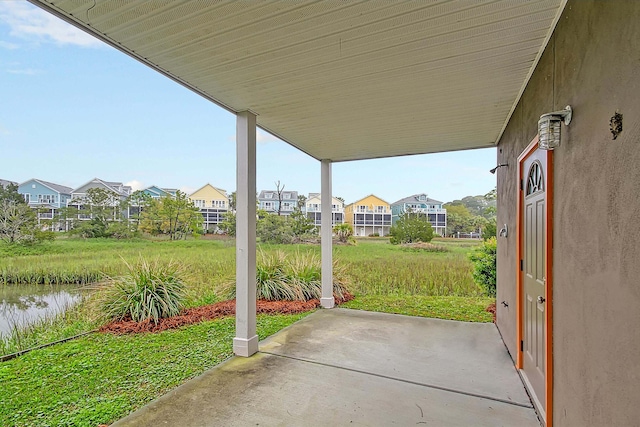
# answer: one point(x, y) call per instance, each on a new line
point(293, 276)
point(149, 290)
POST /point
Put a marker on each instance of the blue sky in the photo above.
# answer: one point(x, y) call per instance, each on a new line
point(72, 108)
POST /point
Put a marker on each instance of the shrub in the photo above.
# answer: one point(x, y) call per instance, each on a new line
point(411, 228)
point(149, 290)
point(484, 266)
point(343, 231)
point(275, 229)
point(291, 277)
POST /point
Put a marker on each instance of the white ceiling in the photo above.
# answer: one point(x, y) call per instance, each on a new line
point(338, 79)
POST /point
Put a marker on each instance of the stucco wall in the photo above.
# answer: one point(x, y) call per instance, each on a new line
point(592, 63)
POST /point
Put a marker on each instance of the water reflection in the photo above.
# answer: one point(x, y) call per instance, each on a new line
point(20, 305)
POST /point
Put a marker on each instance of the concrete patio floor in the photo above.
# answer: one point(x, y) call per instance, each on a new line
point(348, 367)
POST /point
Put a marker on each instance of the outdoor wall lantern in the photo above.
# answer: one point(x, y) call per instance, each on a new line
point(493, 171)
point(549, 128)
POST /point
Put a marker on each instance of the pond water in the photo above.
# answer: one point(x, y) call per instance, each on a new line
point(24, 304)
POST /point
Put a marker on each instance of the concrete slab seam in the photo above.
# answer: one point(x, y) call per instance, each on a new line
point(433, 386)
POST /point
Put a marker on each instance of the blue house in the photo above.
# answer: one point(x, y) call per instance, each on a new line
point(156, 192)
point(422, 205)
point(268, 201)
point(45, 197)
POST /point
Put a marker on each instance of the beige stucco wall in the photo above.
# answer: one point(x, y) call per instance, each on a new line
point(592, 63)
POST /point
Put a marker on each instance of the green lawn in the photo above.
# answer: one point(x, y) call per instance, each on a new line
point(100, 378)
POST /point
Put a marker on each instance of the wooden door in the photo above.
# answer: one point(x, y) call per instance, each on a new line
point(534, 271)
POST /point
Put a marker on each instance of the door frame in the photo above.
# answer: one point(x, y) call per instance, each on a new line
point(546, 411)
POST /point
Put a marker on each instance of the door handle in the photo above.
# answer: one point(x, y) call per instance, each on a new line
point(540, 299)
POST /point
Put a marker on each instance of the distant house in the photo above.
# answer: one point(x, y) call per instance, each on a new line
point(370, 215)
point(421, 204)
point(156, 192)
point(46, 198)
point(120, 191)
point(313, 210)
point(268, 201)
point(213, 203)
point(5, 183)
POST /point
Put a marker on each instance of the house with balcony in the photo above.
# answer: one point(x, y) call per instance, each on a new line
point(369, 216)
point(268, 201)
point(46, 198)
point(421, 204)
point(313, 210)
point(118, 193)
point(213, 203)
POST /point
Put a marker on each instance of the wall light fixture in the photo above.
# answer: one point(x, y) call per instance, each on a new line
point(549, 128)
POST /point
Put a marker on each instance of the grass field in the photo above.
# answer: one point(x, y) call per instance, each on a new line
point(100, 378)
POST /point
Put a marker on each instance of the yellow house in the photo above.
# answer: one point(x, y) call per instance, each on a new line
point(213, 203)
point(370, 215)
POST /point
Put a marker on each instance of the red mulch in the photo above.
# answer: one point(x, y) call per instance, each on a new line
point(210, 312)
point(492, 309)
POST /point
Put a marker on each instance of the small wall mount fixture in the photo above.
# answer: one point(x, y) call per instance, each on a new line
point(549, 127)
point(493, 171)
point(504, 231)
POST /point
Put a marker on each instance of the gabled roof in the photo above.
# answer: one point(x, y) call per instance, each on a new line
point(157, 190)
point(370, 195)
point(313, 197)
point(262, 195)
point(4, 182)
point(219, 190)
point(340, 80)
point(109, 185)
point(60, 189)
point(414, 199)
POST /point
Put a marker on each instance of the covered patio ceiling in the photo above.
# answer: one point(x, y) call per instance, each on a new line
point(340, 80)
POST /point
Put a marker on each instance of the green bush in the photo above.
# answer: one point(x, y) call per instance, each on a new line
point(149, 290)
point(411, 228)
point(275, 229)
point(291, 277)
point(484, 266)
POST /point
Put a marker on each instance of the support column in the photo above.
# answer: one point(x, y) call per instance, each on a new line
point(326, 197)
point(246, 341)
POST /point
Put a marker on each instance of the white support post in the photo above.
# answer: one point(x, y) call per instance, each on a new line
point(326, 195)
point(246, 341)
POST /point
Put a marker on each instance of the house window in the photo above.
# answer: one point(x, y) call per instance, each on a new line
point(286, 195)
point(287, 206)
point(268, 205)
point(362, 208)
point(379, 208)
point(534, 181)
point(199, 203)
point(46, 198)
point(268, 195)
point(422, 197)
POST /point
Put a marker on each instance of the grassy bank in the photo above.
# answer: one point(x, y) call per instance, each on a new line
point(99, 378)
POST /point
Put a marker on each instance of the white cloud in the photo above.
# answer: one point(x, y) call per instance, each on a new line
point(25, 71)
point(187, 190)
point(30, 23)
point(136, 185)
point(8, 45)
point(263, 137)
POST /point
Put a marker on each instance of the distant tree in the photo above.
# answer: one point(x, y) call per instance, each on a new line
point(10, 193)
point(279, 190)
point(136, 203)
point(341, 199)
point(98, 207)
point(459, 219)
point(228, 224)
point(410, 228)
point(302, 201)
point(17, 222)
point(232, 201)
point(300, 223)
point(175, 217)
